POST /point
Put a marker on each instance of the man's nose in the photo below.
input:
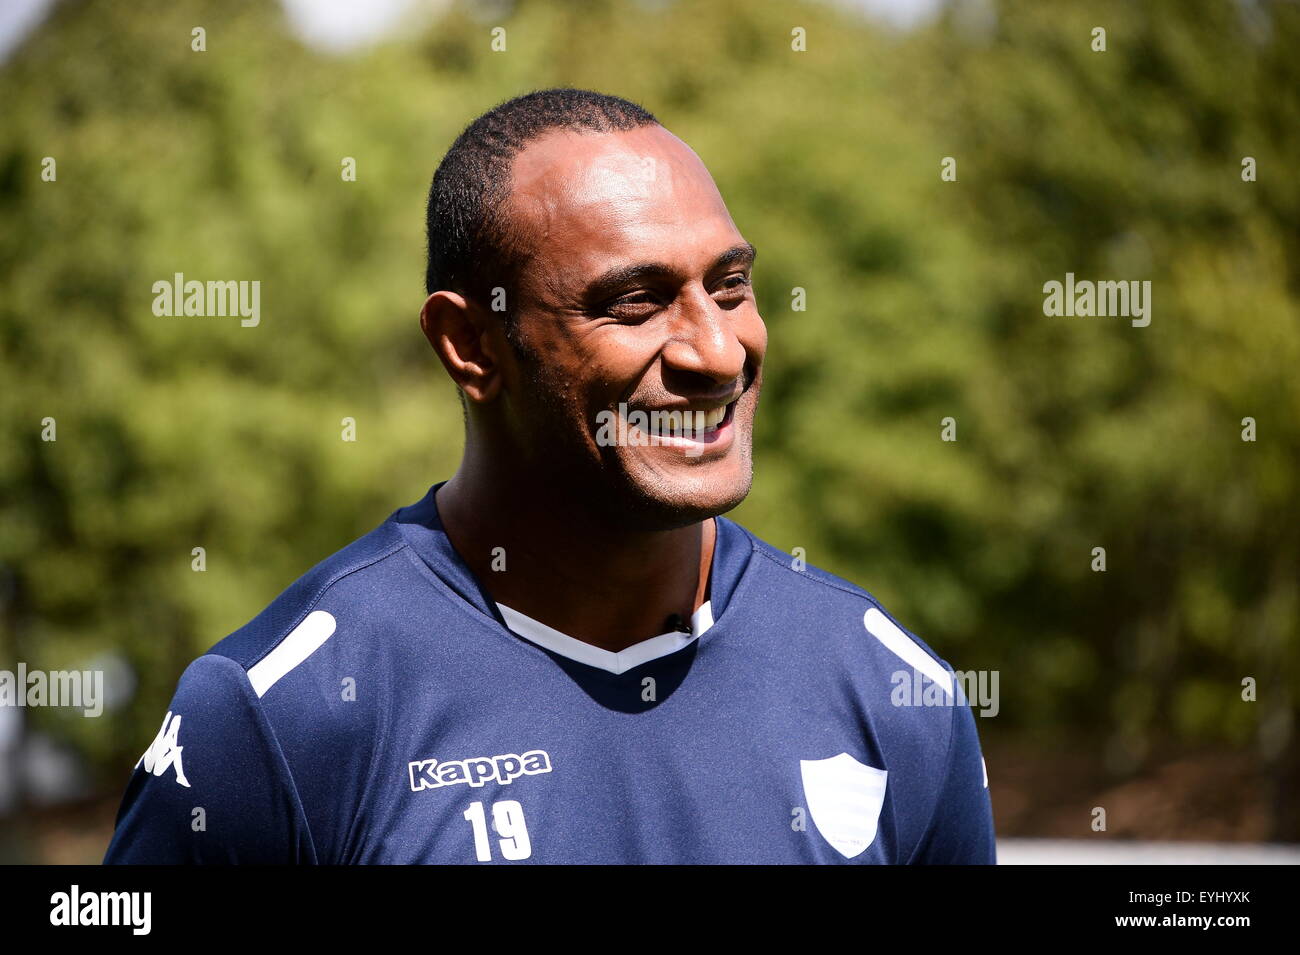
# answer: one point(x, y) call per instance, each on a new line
point(704, 340)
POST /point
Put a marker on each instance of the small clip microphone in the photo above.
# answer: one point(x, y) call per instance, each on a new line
point(676, 622)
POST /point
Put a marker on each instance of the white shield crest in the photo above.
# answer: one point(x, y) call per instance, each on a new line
point(844, 799)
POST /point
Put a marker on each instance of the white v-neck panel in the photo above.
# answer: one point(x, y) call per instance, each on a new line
point(574, 649)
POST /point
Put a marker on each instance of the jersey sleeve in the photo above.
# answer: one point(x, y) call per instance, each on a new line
point(961, 829)
point(213, 787)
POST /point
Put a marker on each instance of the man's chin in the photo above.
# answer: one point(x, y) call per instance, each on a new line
point(662, 499)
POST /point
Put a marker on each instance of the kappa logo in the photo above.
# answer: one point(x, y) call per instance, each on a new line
point(478, 771)
point(165, 751)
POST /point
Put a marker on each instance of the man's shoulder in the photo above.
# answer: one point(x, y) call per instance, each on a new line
point(915, 697)
point(350, 573)
point(250, 715)
point(800, 572)
point(790, 579)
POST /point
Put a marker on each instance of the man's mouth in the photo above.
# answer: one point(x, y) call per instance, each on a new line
point(694, 430)
point(695, 422)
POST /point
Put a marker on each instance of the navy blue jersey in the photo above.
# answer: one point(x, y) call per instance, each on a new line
point(384, 709)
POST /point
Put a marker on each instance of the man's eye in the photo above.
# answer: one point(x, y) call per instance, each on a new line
point(733, 282)
point(635, 304)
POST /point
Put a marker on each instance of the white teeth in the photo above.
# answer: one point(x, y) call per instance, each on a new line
point(701, 422)
point(684, 424)
point(714, 418)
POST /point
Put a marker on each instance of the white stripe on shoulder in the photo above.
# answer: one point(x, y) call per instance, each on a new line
point(904, 647)
point(302, 641)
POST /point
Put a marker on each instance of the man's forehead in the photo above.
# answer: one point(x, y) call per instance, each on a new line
point(587, 198)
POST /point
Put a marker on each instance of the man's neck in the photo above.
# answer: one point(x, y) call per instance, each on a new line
point(568, 570)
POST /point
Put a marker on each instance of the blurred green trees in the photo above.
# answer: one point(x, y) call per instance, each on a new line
point(924, 301)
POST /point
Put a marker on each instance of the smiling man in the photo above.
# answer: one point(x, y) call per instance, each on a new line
point(564, 653)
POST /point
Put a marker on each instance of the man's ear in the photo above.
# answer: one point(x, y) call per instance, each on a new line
point(461, 333)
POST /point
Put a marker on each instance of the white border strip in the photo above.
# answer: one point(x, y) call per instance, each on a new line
point(574, 649)
point(302, 641)
point(904, 647)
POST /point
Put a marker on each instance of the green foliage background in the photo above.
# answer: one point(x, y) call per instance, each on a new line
point(924, 301)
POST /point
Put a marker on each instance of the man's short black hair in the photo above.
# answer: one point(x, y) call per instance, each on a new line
point(473, 246)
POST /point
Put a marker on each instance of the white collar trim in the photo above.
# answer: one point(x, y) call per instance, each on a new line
point(573, 649)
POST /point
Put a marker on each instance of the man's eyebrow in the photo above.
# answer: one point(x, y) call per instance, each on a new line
point(612, 280)
point(743, 254)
